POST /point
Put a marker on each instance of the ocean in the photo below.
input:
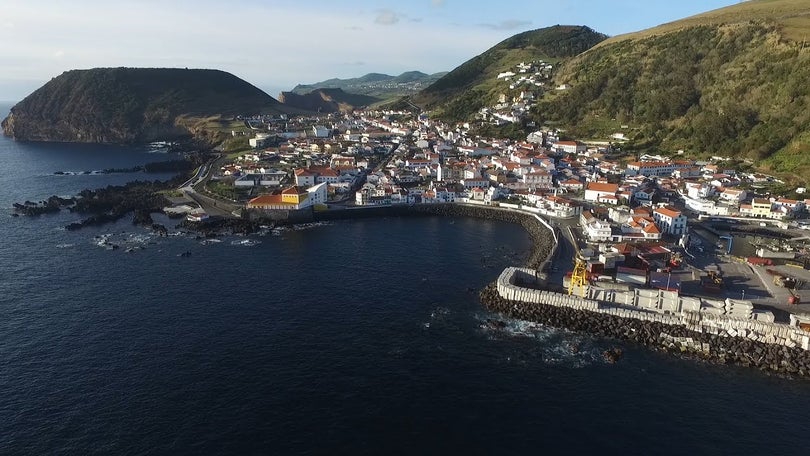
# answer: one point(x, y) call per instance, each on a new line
point(352, 337)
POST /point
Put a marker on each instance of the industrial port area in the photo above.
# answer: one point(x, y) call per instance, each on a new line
point(720, 267)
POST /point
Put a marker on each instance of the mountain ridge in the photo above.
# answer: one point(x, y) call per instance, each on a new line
point(379, 85)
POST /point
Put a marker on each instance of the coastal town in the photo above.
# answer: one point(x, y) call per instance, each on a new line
point(622, 221)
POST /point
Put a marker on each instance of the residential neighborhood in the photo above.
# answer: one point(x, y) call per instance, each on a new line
point(606, 200)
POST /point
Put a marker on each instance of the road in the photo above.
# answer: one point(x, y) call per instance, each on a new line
point(563, 260)
point(742, 280)
point(211, 206)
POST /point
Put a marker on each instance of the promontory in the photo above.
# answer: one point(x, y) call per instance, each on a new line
point(133, 105)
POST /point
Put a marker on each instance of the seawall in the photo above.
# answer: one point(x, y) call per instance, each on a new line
point(770, 347)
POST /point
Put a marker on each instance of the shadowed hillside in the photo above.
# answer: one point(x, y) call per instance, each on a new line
point(326, 100)
point(131, 105)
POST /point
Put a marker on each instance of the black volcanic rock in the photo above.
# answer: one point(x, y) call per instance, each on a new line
point(131, 105)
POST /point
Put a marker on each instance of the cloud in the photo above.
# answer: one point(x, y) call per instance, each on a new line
point(354, 27)
point(509, 24)
point(355, 63)
point(387, 17)
point(58, 54)
point(437, 3)
point(8, 25)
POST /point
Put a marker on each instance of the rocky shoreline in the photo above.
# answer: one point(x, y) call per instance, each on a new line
point(679, 340)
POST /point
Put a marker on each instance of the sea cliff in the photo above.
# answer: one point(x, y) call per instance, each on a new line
point(131, 105)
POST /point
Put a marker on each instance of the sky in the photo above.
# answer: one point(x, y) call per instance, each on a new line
point(276, 44)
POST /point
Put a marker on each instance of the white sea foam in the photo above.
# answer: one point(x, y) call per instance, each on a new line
point(246, 242)
point(550, 345)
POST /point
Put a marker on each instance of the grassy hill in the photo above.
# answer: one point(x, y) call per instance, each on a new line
point(733, 82)
point(377, 85)
point(132, 105)
point(326, 100)
point(472, 85)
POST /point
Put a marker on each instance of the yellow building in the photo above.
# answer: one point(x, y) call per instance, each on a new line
point(761, 207)
point(289, 198)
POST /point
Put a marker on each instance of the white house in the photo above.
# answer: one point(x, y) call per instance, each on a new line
point(304, 178)
point(670, 221)
point(599, 191)
point(596, 230)
point(473, 183)
point(698, 190)
point(570, 147)
point(733, 195)
point(650, 168)
point(539, 179)
point(318, 193)
point(319, 131)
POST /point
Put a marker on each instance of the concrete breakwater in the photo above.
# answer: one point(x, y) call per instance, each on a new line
point(715, 339)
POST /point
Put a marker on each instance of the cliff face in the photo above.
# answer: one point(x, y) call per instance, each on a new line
point(131, 105)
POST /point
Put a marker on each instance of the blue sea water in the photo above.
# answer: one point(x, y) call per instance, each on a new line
point(355, 337)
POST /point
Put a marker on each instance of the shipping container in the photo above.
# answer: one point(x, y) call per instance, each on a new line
point(760, 261)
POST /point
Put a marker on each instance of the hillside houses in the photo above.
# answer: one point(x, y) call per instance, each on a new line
point(386, 158)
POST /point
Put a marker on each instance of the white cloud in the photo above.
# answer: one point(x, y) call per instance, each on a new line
point(437, 3)
point(58, 54)
point(387, 17)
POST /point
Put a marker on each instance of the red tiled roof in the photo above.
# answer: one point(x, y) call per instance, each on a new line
point(652, 229)
point(667, 211)
point(602, 187)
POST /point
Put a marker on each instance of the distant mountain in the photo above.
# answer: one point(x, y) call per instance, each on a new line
point(733, 81)
point(326, 100)
point(472, 85)
point(378, 85)
point(131, 105)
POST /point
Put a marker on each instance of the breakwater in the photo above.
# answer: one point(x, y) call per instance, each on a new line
point(770, 347)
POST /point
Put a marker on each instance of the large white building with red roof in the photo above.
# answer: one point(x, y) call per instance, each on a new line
point(601, 192)
point(670, 220)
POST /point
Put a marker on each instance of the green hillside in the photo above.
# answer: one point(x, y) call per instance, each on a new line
point(132, 105)
point(732, 82)
point(377, 85)
point(473, 85)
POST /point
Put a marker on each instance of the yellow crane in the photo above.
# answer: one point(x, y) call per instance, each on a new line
point(579, 278)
